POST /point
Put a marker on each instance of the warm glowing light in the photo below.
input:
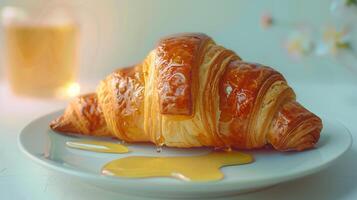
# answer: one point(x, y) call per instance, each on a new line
point(73, 89)
point(69, 91)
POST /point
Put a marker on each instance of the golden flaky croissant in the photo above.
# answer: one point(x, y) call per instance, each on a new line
point(191, 92)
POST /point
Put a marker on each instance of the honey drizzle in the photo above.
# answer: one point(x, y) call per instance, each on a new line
point(98, 146)
point(201, 168)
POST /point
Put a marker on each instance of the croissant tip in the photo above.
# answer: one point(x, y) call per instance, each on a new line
point(55, 124)
point(62, 125)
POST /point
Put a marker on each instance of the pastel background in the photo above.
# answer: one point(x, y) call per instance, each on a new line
point(117, 33)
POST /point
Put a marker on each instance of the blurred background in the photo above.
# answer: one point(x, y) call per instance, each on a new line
point(52, 50)
point(283, 34)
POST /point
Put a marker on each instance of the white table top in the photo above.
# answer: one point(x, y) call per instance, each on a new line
point(20, 178)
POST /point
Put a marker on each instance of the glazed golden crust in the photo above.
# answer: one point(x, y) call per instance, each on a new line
point(177, 61)
point(83, 115)
point(258, 108)
point(121, 97)
point(191, 92)
point(294, 128)
point(240, 91)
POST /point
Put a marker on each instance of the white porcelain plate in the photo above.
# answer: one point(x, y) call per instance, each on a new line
point(270, 167)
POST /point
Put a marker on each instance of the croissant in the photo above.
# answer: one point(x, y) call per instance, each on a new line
point(191, 92)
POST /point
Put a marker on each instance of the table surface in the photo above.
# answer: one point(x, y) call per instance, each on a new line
point(20, 178)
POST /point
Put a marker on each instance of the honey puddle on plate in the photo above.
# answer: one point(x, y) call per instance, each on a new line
point(98, 146)
point(189, 168)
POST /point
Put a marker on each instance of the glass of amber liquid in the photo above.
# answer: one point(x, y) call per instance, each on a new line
point(40, 54)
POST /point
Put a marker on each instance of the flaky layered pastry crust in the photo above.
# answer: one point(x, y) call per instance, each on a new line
point(191, 92)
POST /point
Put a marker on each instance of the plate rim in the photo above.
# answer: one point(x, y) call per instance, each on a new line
point(127, 182)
